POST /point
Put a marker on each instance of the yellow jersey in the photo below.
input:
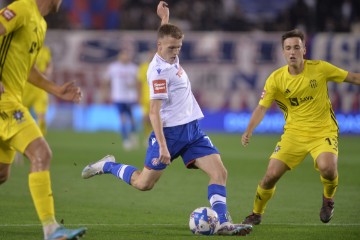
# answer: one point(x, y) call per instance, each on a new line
point(142, 78)
point(303, 98)
point(25, 34)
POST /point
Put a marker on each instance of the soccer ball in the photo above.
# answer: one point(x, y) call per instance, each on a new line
point(204, 221)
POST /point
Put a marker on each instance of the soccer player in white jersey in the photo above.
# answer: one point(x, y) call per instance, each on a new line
point(174, 115)
point(121, 80)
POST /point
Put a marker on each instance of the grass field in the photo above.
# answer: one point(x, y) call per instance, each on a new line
point(113, 210)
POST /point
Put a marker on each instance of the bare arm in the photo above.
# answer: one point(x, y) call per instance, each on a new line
point(155, 105)
point(163, 12)
point(68, 91)
point(353, 78)
point(256, 117)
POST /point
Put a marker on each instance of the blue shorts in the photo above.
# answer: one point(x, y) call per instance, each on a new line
point(187, 141)
point(125, 108)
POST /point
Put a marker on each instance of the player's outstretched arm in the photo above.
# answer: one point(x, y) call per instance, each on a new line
point(353, 78)
point(68, 91)
point(163, 12)
point(256, 117)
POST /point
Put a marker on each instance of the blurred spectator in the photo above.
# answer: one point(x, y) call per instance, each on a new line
point(212, 15)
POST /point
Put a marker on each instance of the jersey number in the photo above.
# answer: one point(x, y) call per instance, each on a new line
point(333, 143)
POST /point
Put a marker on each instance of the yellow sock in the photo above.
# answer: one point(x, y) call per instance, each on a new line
point(330, 186)
point(261, 199)
point(40, 189)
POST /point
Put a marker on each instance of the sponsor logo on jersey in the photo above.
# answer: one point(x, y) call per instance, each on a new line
point(298, 101)
point(294, 101)
point(263, 94)
point(159, 86)
point(8, 14)
point(305, 99)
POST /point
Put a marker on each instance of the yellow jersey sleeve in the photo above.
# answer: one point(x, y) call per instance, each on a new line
point(333, 73)
point(142, 78)
point(270, 90)
point(43, 59)
point(15, 16)
point(19, 47)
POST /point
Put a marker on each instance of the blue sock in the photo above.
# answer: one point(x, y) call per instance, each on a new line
point(122, 171)
point(217, 199)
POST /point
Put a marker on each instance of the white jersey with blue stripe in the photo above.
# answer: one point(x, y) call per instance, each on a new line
point(170, 83)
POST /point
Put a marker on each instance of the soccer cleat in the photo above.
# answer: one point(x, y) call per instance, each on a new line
point(228, 228)
point(252, 219)
point(96, 168)
point(327, 210)
point(62, 233)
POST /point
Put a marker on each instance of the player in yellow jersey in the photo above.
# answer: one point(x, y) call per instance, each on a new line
point(22, 33)
point(145, 92)
point(35, 98)
point(300, 90)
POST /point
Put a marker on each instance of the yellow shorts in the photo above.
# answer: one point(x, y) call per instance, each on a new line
point(293, 149)
point(17, 130)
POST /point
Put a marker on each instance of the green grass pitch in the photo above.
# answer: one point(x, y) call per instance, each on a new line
point(113, 210)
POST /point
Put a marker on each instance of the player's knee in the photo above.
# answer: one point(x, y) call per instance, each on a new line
point(145, 187)
point(223, 174)
point(329, 173)
point(269, 180)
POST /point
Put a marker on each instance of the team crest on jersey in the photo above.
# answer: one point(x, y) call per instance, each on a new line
point(155, 161)
point(159, 86)
point(277, 148)
point(313, 83)
point(19, 116)
point(8, 14)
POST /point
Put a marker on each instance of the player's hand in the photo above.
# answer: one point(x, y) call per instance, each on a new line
point(164, 155)
point(245, 139)
point(163, 12)
point(70, 92)
point(2, 89)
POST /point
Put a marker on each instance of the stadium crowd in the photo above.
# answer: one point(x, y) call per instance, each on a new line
point(211, 15)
